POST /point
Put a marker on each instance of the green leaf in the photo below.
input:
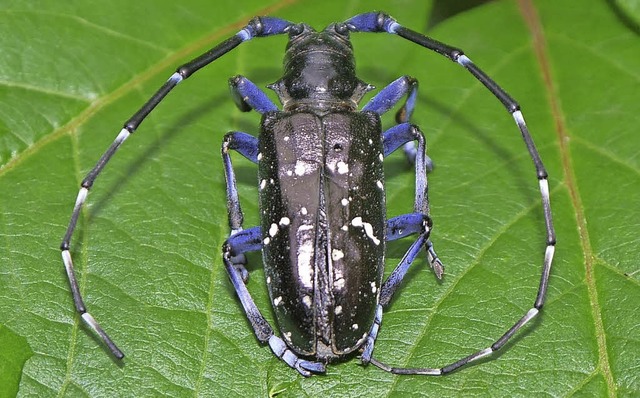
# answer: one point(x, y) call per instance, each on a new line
point(15, 352)
point(629, 11)
point(147, 247)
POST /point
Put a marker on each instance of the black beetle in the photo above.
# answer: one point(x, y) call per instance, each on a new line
point(322, 200)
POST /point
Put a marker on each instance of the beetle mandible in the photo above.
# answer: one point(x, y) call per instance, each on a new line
point(323, 225)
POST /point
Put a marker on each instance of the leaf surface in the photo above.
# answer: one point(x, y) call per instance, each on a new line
point(147, 247)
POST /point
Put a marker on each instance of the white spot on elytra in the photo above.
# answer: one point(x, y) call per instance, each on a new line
point(374, 288)
point(336, 254)
point(305, 267)
point(277, 300)
point(268, 280)
point(286, 138)
point(379, 184)
point(289, 172)
point(345, 228)
point(344, 201)
point(370, 141)
point(354, 326)
point(259, 157)
point(307, 301)
point(266, 240)
point(368, 229)
point(273, 230)
point(343, 168)
point(263, 184)
point(284, 221)
point(338, 283)
point(303, 211)
point(301, 168)
point(338, 310)
point(381, 157)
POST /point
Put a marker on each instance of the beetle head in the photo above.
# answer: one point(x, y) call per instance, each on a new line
point(319, 70)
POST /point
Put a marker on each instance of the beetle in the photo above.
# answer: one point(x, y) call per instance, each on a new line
point(323, 228)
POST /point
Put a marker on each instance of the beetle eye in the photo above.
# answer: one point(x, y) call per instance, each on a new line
point(341, 28)
point(295, 30)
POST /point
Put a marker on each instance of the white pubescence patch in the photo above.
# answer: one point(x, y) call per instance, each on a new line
point(379, 184)
point(339, 283)
point(544, 188)
point(176, 78)
point(368, 229)
point(277, 301)
point(287, 335)
point(286, 138)
point(289, 173)
point(370, 141)
point(517, 116)
point(343, 168)
point(336, 254)
point(284, 221)
point(266, 240)
point(68, 264)
point(303, 168)
point(354, 326)
point(305, 253)
point(259, 157)
point(82, 196)
point(268, 280)
point(464, 60)
point(374, 288)
point(381, 156)
point(90, 321)
point(263, 183)
point(344, 201)
point(271, 181)
point(306, 300)
point(303, 211)
point(122, 135)
point(273, 230)
point(338, 310)
point(345, 227)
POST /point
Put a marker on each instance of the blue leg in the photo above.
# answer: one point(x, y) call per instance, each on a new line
point(388, 97)
point(394, 138)
point(238, 244)
point(417, 222)
point(247, 146)
point(399, 227)
point(397, 136)
point(248, 96)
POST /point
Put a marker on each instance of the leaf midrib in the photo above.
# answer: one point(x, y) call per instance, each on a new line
point(534, 25)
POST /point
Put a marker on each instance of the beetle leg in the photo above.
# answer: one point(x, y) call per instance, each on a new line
point(367, 351)
point(240, 243)
point(399, 227)
point(394, 138)
point(388, 97)
point(246, 145)
point(248, 96)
